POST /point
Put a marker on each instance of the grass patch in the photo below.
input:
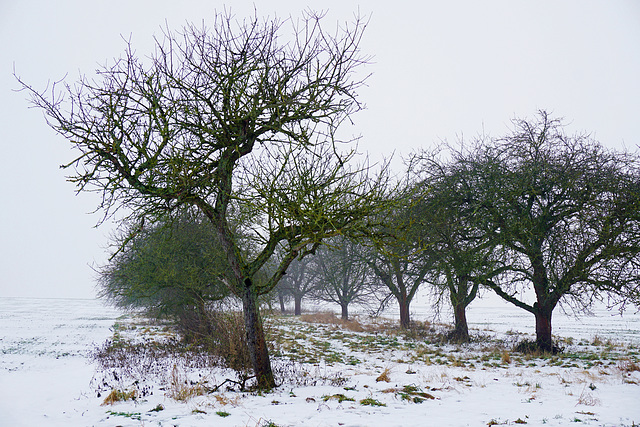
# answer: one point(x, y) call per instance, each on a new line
point(384, 376)
point(119, 396)
point(369, 401)
point(410, 393)
point(339, 397)
point(132, 415)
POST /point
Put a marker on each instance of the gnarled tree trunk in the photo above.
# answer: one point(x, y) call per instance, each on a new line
point(460, 332)
point(297, 305)
point(405, 316)
point(345, 311)
point(543, 329)
point(256, 342)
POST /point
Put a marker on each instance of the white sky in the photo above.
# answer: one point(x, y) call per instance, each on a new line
point(441, 69)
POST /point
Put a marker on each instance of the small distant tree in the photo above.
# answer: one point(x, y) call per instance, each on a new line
point(562, 212)
point(236, 118)
point(343, 275)
point(299, 282)
point(282, 296)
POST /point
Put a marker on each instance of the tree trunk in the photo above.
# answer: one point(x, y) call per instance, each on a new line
point(283, 309)
point(204, 326)
point(345, 311)
point(297, 305)
point(543, 329)
point(405, 316)
point(461, 330)
point(256, 342)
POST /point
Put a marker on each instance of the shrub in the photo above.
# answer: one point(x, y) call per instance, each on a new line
point(227, 339)
point(219, 331)
point(124, 360)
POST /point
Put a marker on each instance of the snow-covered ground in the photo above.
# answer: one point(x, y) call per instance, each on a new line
point(47, 378)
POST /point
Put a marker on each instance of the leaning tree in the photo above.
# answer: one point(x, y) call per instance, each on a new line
point(240, 117)
point(562, 212)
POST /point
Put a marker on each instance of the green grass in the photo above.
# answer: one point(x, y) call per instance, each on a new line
point(369, 401)
point(132, 415)
point(339, 397)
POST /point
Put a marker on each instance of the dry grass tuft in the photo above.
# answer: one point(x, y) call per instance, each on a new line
point(384, 376)
point(329, 318)
point(180, 389)
point(224, 400)
point(587, 399)
point(628, 366)
point(119, 396)
point(505, 357)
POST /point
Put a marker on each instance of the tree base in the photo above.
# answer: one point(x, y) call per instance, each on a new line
point(458, 337)
point(533, 347)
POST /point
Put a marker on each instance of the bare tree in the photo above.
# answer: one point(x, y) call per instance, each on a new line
point(343, 274)
point(460, 255)
point(299, 282)
point(237, 118)
point(457, 256)
point(561, 212)
point(400, 259)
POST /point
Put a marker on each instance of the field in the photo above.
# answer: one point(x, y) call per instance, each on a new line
point(360, 373)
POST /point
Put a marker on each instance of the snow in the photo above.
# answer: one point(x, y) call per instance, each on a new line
point(47, 377)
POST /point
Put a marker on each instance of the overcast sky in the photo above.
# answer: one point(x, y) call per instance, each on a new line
point(441, 69)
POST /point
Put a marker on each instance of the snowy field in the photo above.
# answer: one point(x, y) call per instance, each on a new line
point(359, 378)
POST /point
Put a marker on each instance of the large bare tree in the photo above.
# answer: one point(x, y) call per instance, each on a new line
point(238, 120)
point(562, 214)
point(458, 254)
